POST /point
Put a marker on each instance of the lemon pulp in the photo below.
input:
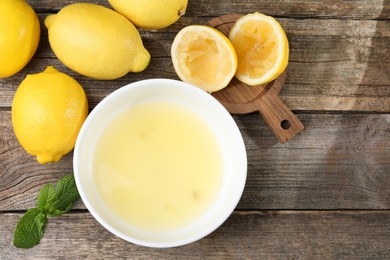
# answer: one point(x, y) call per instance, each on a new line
point(203, 57)
point(261, 46)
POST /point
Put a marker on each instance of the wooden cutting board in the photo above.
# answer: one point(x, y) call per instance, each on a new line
point(239, 98)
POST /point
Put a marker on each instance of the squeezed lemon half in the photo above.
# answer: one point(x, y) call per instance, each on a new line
point(204, 57)
point(261, 46)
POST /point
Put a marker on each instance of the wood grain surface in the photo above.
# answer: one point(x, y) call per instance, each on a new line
point(325, 194)
point(245, 235)
point(357, 9)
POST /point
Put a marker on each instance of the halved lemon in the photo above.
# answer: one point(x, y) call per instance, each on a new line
point(261, 46)
point(204, 57)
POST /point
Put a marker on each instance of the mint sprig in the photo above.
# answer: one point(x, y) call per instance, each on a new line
point(51, 201)
point(59, 200)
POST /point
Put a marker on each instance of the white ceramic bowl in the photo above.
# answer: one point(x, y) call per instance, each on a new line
point(208, 108)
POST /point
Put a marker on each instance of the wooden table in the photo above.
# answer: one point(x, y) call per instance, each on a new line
point(323, 195)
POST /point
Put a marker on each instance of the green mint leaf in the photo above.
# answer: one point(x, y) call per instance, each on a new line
point(66, 194)
point(29, 230)
point(50, 201)
point(45, 199)
point(59, 200)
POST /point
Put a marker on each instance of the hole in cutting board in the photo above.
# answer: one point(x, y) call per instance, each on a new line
point(285, 124)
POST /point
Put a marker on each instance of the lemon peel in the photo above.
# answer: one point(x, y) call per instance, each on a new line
point(19, 36)
point(48, 110)
point(151, 14)
point(96, 42)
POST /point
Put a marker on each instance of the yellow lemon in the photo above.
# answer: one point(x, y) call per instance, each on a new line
point(96, 42)
point(151, 14)
point(48, 110)
point(261, 46)
point(203, 57)
point(19, 36)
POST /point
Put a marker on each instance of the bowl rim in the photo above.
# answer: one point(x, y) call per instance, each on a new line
point(100, 106)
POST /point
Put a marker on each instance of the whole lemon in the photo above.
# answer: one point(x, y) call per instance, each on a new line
point(19, 36)
point(96, 42)
point(151, 14)
point(48, 110)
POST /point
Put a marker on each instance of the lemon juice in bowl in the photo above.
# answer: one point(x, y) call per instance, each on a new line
point(160, 163)
point(157, 166)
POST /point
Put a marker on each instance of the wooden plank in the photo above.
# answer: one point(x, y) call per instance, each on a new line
point(342, 67)
point(366, 39)
point(338, 161)
point(307, 87)
point(358, 9)
point(245, 235)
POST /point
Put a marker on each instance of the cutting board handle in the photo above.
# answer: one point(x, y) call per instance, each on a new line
point(279, 117)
